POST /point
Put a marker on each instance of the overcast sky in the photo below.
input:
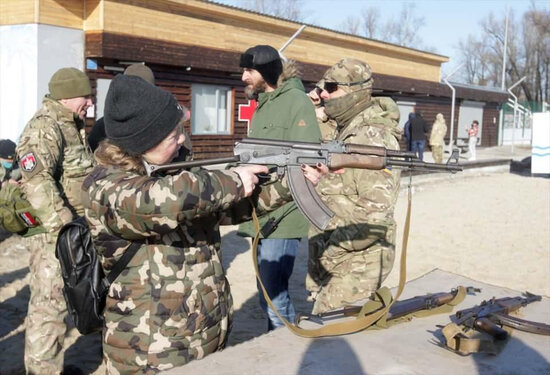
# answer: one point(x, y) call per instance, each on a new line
point(446, 22)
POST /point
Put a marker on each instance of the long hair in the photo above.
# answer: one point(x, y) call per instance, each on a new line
point(109, 154)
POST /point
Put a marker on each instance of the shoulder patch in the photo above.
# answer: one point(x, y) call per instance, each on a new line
point(28, 162)
point(301, 123)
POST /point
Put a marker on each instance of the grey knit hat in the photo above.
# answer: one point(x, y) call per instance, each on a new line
point(138, 115)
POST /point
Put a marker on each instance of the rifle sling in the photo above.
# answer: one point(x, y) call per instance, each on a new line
point(363, 320)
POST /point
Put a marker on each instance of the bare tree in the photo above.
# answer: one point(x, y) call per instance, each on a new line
point(527, 53)
point(403, 30)
point(350, 25)
point(289, 9)
point(370, 19)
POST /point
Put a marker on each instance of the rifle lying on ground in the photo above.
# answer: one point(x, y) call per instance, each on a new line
point(288, 157)
point(398, 310)
point(490, 315)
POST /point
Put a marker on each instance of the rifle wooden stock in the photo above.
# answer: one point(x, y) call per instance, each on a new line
point(338, 161)
point(486, 325)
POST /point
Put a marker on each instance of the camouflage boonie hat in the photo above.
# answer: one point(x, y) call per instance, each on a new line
point(350, 74)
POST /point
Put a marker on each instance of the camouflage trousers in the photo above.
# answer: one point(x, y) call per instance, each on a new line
point(437, 153)
point(45, 327)
point(338, 277)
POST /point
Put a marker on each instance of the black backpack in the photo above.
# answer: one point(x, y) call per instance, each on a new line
point(85, 285)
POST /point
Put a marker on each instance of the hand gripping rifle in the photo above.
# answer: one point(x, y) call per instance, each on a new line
point(491, 315)
point(287, 158)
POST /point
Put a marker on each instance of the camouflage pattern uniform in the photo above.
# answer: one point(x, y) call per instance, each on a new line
point(439, 129)
point(53, 160)
point(349, 260)
point(172, 304)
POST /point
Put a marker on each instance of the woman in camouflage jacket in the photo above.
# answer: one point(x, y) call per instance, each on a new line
point(172, 303)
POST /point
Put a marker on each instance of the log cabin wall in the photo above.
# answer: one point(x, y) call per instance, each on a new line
point(179, 82)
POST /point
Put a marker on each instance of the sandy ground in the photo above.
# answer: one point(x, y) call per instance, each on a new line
point(492, 227)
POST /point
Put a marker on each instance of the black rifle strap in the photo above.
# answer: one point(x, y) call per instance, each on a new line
point(272, 224)
point(122, 263)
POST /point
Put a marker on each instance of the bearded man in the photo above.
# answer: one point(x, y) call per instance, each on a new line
point(284, 113)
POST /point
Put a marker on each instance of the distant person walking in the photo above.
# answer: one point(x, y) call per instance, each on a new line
point(419, 129)
point(407, 131)
point(439, 129)
point(472, 139)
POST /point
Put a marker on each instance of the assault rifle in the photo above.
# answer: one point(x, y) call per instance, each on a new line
point(397, 310)
point(287, 157)
point(490, 315)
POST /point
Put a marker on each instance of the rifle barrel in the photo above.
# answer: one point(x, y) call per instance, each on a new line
point(417, 164)
point(195, 163)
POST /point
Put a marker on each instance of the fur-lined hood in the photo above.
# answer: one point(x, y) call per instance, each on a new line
point(290, 70)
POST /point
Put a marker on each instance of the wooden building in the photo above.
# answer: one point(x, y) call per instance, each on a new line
point(194, 47)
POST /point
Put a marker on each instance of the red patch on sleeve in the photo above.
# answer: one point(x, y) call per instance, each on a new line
point(28, 162)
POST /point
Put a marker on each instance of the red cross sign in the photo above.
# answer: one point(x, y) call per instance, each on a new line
point(246, 111)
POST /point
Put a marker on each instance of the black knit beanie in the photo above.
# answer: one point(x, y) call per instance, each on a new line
point(7, 149)
point(266, 60)
point(139, 115)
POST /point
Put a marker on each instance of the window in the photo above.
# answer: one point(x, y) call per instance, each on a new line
point(211, 111)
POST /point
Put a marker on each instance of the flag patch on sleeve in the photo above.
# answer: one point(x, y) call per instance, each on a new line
point(28, 162)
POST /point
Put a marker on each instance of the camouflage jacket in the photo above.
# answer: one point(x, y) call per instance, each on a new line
point(361, 196)
point(54, 160)
point(9, 174)
point(437, 135)
point(172, 304)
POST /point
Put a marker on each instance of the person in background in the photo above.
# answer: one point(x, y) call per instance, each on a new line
point(284, 113)
point(54, 159)
point(472, 131)
point(8, 169)
point(407, 131)
point(172, 304)
point(437, 135)
point(353, 256)
point(419, 129)
point(97, 134)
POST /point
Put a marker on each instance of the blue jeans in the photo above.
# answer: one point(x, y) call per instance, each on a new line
point(276, 261)
point(418, 147)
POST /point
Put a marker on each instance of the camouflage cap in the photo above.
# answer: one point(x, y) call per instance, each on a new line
point(69, 83)
point(350, 74)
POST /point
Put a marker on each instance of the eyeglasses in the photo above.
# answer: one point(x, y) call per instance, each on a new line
point(330, 87)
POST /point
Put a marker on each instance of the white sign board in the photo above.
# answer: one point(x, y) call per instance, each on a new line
point(540, 153)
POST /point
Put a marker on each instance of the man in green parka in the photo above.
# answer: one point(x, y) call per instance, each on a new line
point(285, 113)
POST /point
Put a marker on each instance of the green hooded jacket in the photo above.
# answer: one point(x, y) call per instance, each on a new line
point(285, 114)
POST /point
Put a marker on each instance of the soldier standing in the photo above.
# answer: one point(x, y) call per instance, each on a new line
point(439, 129)
point(54, 159)
point(285, 113)
point(349, 260)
